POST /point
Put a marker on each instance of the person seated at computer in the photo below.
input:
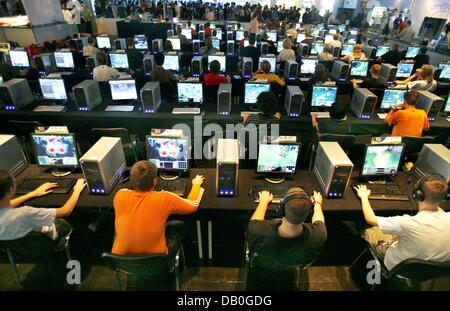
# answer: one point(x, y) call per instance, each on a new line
point(168, 47)
point(287, 53)
point(393, 56)
point(292, 32)
point(327, 53)
point(421, 58)
point(264, 73)
point(336, 124)
point(406, 119)
point(135, 57)
point(104, 72)
point(252, 51)
point(141, 214)
point(159, 74)
point(267, 104)
point(208, 49)
point(214, 78)
point(336, 41)
point(8, 72)
point(357, 54)
point(422, 236)
point(90, 49)
point(421, 80)
point(373, 80)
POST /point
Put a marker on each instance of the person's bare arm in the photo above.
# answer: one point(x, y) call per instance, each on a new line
point(265, 197)
point(70, 204)
point(38, 192)
point(369, 214)
point(318, 213)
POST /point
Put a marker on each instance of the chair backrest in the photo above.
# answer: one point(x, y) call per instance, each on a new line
point(33, 247)
point(123, 134)
point(421, 270)
point(210, 93)
point(139, 265)
point(23, 128)
point(345, 141)
point(415, 144)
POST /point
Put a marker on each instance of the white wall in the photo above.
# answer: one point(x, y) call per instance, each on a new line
point(430, 8)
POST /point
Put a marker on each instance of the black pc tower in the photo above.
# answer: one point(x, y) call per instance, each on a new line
point(148, 61)
point(247, 67)
point(230, 35)
point(230, 47)
point(227, 168)
point(264, 48)
point(290, 69)
point(339, 71)
point(197, 66)
point(224, 99)
point(388, 73)
point(293, 101)
point(157, 46)
point(431, 103)
point(363, 103)
point(87, 95)
point(120, 44)
point(150, 97)
point(196, 44)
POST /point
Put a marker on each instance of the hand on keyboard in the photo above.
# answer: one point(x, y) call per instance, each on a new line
point(80, 185)
point(44, 189)
point(265, 197)
point(198, 180)
point(362, 191)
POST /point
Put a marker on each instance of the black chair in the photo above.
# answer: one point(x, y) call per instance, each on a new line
point(168, 91)
point(345, 141)
point(22, 130)
point(210, 94)
point(413, 145)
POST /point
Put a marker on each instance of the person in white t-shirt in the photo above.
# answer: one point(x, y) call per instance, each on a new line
point(104, 72)
point(423, 236)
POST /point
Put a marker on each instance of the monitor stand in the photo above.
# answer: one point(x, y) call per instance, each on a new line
point(170, 176)
point(60, 172)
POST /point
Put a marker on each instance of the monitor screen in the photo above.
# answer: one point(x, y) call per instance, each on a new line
point(391, 98)
point(404, 70)
point(317, 48)
point(445, 73)
point(300, 37)
point(279, 46)
point(216, 43)
point(171, 62)
point(308, 66)
point(271, 60)
point(341, 27)
point(239, 35)
point(382, 160)
point(53, 89)
point(328, 38)
point(55, 150)
point(280, 159)
point(190, 92)
point(412, 51)
point(217, 33)
point(140, 43)
point(359, 68)
point(119, 60)
point(354, 32)
point(176, 44)
point(168, 153)
point(272, 36)
point(347, 49)
point(351, 41)
point(123, 89)
point(64, 60)
point(382, 49)
point(332, 31)
point(221, 59)
point(323, 96)
point(187, 32)
point(447, 104)
point(19, 58)
point(103, 43)
point(252, 90)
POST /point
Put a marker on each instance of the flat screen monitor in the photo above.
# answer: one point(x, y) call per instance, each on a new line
point(140, 43)
point(64, 60)
point(176, 43)
point(332, 31)
point(123, 89)
point(447, 104)
point(19, 58)
point(323, 96)
point(271, 60)
point(347, 49)
point(382, 160)
point(222, 60)
point(315, 32)
point(187, 32)
point(300, 37)
point(445, 73)
point(412, 51)
point(252, 91)
point(103, 43)
point(190, 92)
point(239, 35)
point(359, 68)
point(277, 158)
point(382, 49)
point(351, 41)
point(119, 60)
point(341, 27)
point(328, 38)
point(308, 66)
point(168, 153)
point(391, 98)
point(53, 89)
point(216, 43)
point(272, 36)
point(55, 150)
point(317, 48)
point(354, 32)
point(279, 46)
point(171, 62)
point(404, 70)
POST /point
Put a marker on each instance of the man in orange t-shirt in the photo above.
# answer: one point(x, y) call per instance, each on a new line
point(141, 214)
point(406, 118)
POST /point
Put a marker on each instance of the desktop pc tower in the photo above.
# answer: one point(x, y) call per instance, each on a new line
point(388, 73)
point(150, 97)
point(15, 94)
point(431, 103)
point(290, 69)
point(293, 101)
point(201, 35)
point(332, 169)
point(230, 47)
point(120, 44)
point(370, 52)
point(227, 168)
point(230, 35)
point(91, 63)
point(197, 66)
point(363, 103)
point(169, 33)
point(196, 44)
point(45, 63)
point(336, 52)
point(433, 158)
point(12, 158)
point(339, 71)
point(224, 99)
point(304, 49)
point(87, 95)
point(103, 165)
point(264, 48)
point(157, 46)
point(247, 67)
point(148, 64)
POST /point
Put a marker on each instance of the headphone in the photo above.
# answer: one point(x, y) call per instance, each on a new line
point(418, 194)
point(298, 194)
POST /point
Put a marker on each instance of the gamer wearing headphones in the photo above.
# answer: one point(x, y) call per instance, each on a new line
point(423, 236)
point(279, 243)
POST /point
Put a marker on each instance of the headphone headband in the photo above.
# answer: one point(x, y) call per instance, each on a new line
point(418, 193)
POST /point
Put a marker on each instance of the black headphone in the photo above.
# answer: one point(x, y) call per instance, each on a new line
point(299, 194)
point(418, 193)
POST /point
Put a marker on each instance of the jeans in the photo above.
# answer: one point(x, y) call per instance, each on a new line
point(378, 240)
point(175, 233)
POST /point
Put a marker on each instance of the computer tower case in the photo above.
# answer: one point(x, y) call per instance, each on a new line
point(363, 103)
point(227, 168)
point(264, 48)
point(196, 44)
point(148, 61)
point(120, 44)
point(157, 46)
point(169, 33)
point(433, 158)
point(339, 71)
point(87, 95)
point(431, 103)
point(197, 66)
point(12, 157)
point(293, 101)
point(150, 97)
point(388, 73)
point(247, 67)
point(370, 52)
point(224, 99)
point(230, 47)
point(290, 69)
point(15, 94)
point(45, 63)
point(230, 35)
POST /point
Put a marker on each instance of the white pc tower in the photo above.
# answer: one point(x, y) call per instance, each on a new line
point(247, 67)
point(148, 61)
point(332, 169)
point(370, 52)
point(339, 71)
point(197, 66)
point(150, 97)
point(293, 101)
point(224, 99)
point(103, 165)
point(290, 69)
point(363, 103)
point(12, 158)
point(120, 44)
point(15, 94)
point(227, 167)
point(433, 158)
point(388, 73)
point(431, 103)
point(87, 95)
point(157, 46)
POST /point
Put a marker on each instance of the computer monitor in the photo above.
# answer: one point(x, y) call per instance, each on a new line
point(354, 32)
point(19, 58)
point(347, 49)
point(412, 51)
point(140, 42)
point(119, 60)
point(216, 43)
point(187, 32)
point(404, 70)
point(382, 49)
point(271, 60)
point(222, 60)
point(317, 48)
point(308, 66)
point(300, 37)
point(447, 104)
point(252, 91)
point(382, 160)
point(359, 68)
point(391, 98)
point(171, 62)
point(328, 38)
point(168, 153)
point(272, 36)
point(246, 43)
point(279, 46)
point(123, 89)
point(445, 73)
point(277, 158)
point(323, 96)
point(55, 150)
point(217, 33)
point(103, 42)
point(53, 89)
point(239, 35)
point(176, 43)
point(332, 31)
point(64, 60)
point(190, 92)
point(351, 41)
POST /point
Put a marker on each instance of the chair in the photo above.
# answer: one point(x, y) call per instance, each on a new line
point(168, 91)
point(413, 145)
point(129, 143)
point(210, 94)
point(23, 129)
point(345, 141)
point(154, 269)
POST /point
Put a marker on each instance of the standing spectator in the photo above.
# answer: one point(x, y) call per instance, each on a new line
point(254, 23)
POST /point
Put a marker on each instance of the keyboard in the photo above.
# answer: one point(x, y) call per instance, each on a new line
point(177, 186)
point(390, 192)
point(321, 115)
point(249, 112)
point(186, 111)
point(29, 184)
point(45, 108)
point(278, 192)
point(120, 108)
